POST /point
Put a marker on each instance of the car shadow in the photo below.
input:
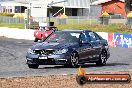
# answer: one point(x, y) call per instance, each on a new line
point(84, 66)
point(115, 64)
point(52, 67)
point(107, 65)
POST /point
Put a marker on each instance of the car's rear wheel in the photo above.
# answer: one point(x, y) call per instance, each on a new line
point(35, 40)
point(34, 66)
point(74, 60)
point(103, 58)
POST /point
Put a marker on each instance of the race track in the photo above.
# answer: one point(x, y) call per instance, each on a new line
point(13, 62)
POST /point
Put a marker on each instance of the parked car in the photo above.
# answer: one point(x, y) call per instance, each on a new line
point(69, 47)
point(43, 32)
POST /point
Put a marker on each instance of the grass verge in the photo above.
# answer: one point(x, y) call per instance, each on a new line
point(12, 25)
point(94, 27)
point(98, 28)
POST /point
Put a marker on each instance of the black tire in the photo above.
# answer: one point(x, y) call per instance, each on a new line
point(81, 80)
point(74, 60)
point(35, 40)
point(34, 66)
point(102, 59)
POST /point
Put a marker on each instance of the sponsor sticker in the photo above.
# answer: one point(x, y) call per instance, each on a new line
point(108, 77)
point(82, 78)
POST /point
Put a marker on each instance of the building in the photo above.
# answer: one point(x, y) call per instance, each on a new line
point(68, 7)
point(72, 7)
point(41, 8)
point(14, 6)
point(112, 7)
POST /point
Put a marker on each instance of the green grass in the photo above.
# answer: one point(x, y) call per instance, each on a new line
point(94, 27)
point(98, 28)
point(21, 26)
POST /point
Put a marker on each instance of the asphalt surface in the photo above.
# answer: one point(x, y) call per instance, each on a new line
point(13, 61)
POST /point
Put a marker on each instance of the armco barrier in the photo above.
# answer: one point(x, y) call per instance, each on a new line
point(26, 34)
point(114, 39)
point(120, 40)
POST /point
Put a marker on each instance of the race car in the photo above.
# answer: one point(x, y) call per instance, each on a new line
point(43, 32)
point(69, 48)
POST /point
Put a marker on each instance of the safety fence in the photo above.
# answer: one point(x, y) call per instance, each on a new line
point(80, 20)
point(9, 20)
point(69, 20)
point(58, 21)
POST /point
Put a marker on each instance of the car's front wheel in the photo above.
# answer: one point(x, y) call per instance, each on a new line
point(74, 60)
point(34, 66)
point(103, 58)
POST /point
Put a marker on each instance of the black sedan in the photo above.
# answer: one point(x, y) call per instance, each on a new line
point(69, 47)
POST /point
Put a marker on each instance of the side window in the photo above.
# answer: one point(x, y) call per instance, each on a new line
point(92, 36)
point(84, 37)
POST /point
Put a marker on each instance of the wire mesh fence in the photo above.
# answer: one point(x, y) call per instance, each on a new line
point(91, 20)
point(5, 19)
point(58, 21)
point(69, 20)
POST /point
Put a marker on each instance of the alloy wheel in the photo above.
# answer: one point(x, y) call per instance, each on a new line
point(74, 60)
point(102, 59)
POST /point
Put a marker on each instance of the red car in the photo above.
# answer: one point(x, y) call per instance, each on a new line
point(43, 32)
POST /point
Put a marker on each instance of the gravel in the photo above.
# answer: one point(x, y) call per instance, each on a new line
point(54, 81)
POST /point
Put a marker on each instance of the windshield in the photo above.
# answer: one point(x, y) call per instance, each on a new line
point(63, 37)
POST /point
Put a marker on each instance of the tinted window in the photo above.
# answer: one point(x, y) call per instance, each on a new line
point(92, 36)
point(84, 36)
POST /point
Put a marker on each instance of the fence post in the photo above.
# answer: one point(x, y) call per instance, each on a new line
point(78, 19)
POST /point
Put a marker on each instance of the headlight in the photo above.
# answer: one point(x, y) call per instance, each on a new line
point(30, 51)
point(61, 51)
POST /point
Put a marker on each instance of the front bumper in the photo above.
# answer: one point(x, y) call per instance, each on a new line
point(60, 59)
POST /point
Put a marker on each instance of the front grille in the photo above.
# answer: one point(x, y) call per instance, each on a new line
point(49, 61)
point(43, 52)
